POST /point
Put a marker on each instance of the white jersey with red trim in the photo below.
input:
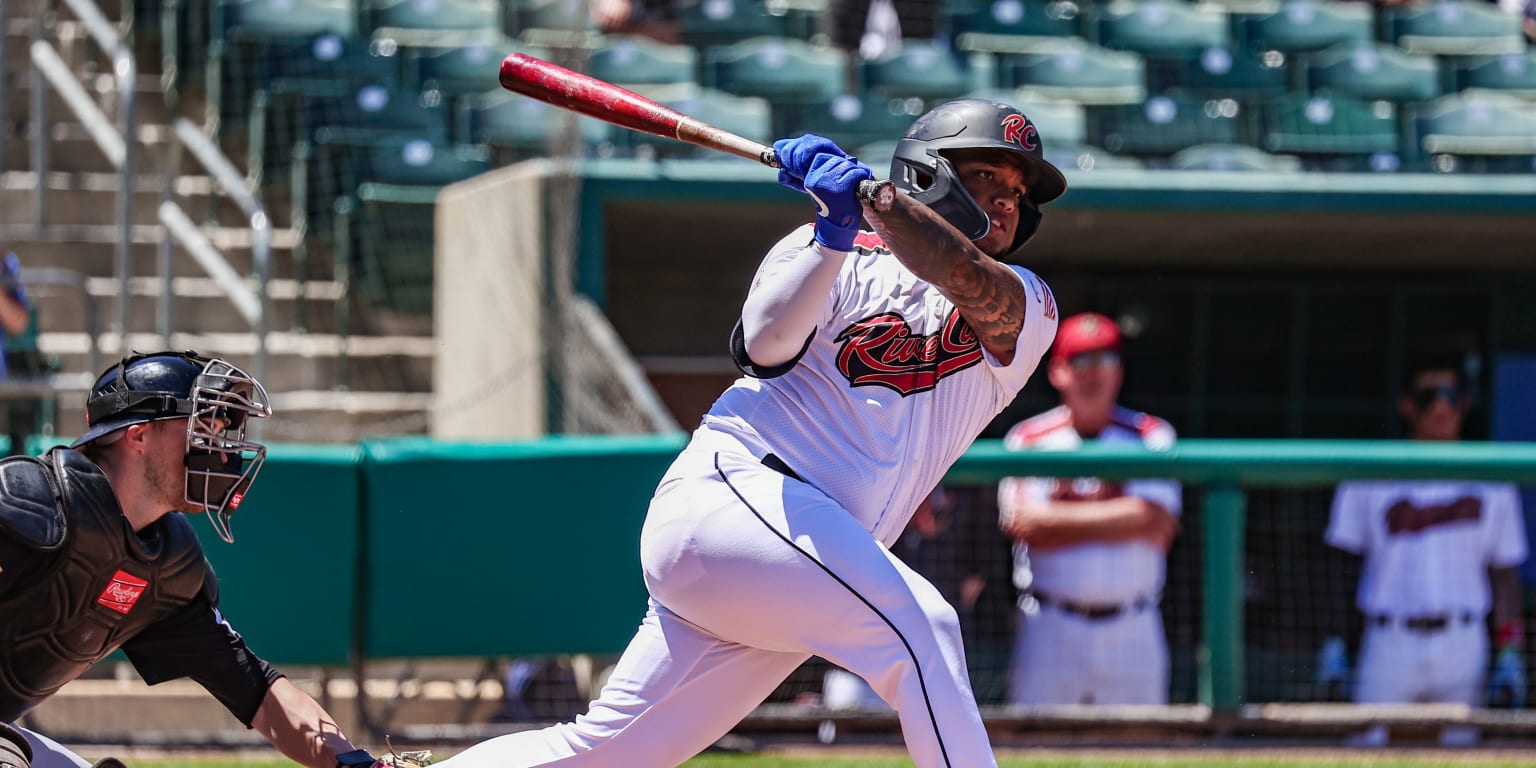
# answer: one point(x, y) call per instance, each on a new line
point(1427, 544)
point(890, 391)
point(1098, 572)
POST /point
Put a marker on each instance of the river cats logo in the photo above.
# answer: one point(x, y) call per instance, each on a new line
point(883, 351)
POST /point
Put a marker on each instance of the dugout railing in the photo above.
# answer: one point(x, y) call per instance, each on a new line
point(352, 558)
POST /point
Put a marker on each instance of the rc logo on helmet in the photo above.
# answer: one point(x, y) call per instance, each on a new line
point(1018, 130)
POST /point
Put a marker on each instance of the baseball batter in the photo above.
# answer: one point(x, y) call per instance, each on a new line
point(872, 361)
point(1438, 557)
point(1089, 554)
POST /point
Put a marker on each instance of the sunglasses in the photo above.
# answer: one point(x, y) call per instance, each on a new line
point(1104, 358)
point(1424, 397)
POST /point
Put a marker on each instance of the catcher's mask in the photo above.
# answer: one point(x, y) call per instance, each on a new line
point(921, 169)
point(217, 400)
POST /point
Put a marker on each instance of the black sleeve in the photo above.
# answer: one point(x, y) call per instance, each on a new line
point(198, 643)
point(745, 364)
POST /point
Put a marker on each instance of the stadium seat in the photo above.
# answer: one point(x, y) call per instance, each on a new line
point(777, 69)
point(1014, 26)
point(851, 120)
point(1163, 125)
point(1477, 123)
point(553, 23)
point(1161, 26)
point(1082, 72)
point(877, 155)
point(1058, 121)
point(327, 58)
point(241, 32)
point(1455, 28)
point(1231, 157)
point(374, 111)
point(1219, 73)
point(1374, 71)
point(641, 60)
point(922, 69)
point(1086, 157)
point(435, 22)
point(1309, 25)
point(1339, 131)
point(519, 127)
point(710, 23)
point(1513, 73)
point(747, 116)
point(464, 69)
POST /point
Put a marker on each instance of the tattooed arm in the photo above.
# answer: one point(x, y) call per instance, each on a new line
point(988, 294)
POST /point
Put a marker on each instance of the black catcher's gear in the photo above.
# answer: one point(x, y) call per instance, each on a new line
point(15, 752)
point(217, 399)
point(921, 169)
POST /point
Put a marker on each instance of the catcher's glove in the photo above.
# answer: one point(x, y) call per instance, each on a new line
point(417, 758)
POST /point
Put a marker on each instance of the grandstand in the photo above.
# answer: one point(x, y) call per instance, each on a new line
point(1274, 196)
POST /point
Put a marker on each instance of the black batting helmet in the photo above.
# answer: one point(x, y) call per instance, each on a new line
point(920, 168)
point(217, 400)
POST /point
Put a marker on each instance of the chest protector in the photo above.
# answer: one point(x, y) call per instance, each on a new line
point(100, 583)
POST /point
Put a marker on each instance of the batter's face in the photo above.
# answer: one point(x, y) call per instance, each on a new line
point(997, 183)
point(1434, 406)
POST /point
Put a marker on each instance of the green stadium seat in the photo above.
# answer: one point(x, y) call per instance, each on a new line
point(1086, 157)
point(1058, 121)
point(777, 69)
point(436, 22)
point(1513, 73)
point(1220, 73)
point(1231, 157)
point(851, 120)
point(520, 127)
point(710, 23)
point(327, 59)
point(1162, 125)
point(641, 60)
point(1477, 123)
point(747, 116)
point(1161, 26)
point(461, 69)
point(922, 69)
point(1309, 25)
point(268, 20)
point(375, 111)
point(1455, 28)
point(1374, 71)
point(1331, 125)
point(1082, 72)
point(877, 155)
point(553, 23)
point(1014, 26)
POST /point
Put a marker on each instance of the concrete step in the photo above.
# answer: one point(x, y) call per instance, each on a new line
point(71, 149)
point(91, 198)
point(199, 305)
point(149, 107)
point(91, 250)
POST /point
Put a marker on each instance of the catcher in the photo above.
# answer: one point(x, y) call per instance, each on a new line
point(93, 559)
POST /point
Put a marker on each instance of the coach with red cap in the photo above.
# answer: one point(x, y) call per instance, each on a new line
point(1089, 554)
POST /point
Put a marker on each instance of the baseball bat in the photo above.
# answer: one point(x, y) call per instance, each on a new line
point(561, 87)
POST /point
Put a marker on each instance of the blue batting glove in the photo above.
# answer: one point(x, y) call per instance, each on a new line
point(796, 155)
point(1508, 681)
point(833, 182)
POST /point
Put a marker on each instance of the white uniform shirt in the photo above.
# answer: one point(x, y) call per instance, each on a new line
point(892, 389)
point(1427, 544)
point(1099, 573)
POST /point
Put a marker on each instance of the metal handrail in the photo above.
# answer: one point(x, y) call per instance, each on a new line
point(50, 69)
point(254, 305)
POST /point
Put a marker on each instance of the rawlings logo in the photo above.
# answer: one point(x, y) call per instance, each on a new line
point(883, 351)
point(122, 592)
point(1018, 130)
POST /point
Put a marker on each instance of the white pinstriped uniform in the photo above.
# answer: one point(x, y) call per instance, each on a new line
point(1061, 658)
point(752, 572)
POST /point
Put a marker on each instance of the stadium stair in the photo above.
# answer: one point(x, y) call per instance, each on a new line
point(387, 367)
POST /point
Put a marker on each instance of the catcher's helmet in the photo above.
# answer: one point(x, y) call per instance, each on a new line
point(921, 169)
point(217, 400)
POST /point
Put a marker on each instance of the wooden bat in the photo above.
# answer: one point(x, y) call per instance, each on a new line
point(556, 85)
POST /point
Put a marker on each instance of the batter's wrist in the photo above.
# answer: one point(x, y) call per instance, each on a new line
point(357, 758)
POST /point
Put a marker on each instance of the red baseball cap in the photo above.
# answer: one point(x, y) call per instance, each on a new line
point(1086, 332)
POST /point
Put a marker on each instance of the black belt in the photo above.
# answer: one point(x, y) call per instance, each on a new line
point(777, 464)
point(1422, 624)
point(1093, 612)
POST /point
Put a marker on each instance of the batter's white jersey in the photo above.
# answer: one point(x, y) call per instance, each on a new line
point(1427, 544)
point(892, 389)
point(1097, 573)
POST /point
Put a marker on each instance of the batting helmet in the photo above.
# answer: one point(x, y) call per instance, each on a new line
point(921, 169)
point(217, 400)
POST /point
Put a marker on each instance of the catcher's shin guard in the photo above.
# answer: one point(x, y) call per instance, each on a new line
point(15, 752)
